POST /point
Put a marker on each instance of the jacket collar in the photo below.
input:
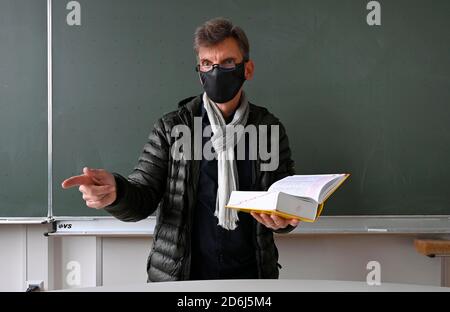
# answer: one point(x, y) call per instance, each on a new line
point(192, 106)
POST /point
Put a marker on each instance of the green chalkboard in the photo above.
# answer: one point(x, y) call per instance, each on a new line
point(23, 109)
point(369, 100)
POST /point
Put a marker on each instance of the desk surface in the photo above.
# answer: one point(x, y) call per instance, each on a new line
point(261, 286)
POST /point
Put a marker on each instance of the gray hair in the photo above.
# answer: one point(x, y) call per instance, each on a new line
point(218, 29)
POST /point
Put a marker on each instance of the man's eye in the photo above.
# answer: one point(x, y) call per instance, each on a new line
point(206, 63)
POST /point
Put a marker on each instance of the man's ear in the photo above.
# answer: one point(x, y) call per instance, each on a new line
point(249, 70)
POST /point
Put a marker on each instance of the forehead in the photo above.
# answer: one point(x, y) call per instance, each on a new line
point(227, 48)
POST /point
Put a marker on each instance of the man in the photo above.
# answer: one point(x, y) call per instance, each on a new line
point(196, 237)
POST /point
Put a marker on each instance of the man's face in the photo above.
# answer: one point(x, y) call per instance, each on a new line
point(222, 53)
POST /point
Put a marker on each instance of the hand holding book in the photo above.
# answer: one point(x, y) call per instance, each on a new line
point(273, 221)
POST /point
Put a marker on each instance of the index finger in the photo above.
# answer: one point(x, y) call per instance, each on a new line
point(278, 219)
point(257, 217)
point(76, 181)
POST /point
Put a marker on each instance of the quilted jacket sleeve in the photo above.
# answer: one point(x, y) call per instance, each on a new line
point(138, 195)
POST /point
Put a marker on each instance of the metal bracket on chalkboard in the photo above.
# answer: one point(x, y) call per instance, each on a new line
point(52, 230)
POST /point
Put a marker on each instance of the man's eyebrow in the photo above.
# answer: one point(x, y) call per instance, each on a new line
point(232, 58)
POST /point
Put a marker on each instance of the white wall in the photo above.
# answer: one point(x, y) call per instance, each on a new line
point(125, 260)
point(12, 257)
point(345, 257)
point(25, 253)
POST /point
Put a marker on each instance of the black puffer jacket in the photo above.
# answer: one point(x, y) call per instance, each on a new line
point(159, 181)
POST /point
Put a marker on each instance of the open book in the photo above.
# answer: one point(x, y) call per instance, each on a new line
point(297, 196)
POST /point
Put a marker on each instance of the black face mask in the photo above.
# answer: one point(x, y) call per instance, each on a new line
point(220, 84)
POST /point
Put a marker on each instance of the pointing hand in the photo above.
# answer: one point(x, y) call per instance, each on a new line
point(98, 187)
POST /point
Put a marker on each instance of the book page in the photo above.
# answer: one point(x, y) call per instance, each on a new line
point(252, 200)
point(301, 207)
point(282, 204)
point(304, 185)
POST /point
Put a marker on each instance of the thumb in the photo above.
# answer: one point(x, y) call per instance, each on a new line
point(94, 174)
point(90, 172)
point(294, 222)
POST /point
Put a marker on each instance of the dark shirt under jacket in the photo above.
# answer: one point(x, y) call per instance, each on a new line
point(218, 253)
